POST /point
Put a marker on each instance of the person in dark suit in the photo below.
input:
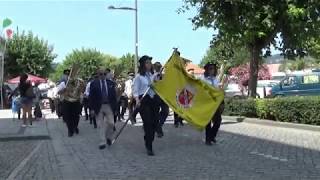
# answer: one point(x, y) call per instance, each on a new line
point(102, 99)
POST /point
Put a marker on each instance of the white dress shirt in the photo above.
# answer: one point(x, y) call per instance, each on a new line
point(87, 91)
point(61, 86)
point(213, 81)
point(141, 84)
point(128, 88)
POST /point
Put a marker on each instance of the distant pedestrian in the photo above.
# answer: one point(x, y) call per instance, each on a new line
point(27, 96)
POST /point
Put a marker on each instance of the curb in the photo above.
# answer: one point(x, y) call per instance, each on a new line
point(23, 138)
point(273, 123)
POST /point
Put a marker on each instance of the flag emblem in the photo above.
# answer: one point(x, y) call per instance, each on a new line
point(185, 96)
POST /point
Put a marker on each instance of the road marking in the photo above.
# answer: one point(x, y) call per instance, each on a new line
point(268, 156)
point(23, 163)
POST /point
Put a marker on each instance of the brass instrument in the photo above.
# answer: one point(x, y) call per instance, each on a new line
point(74, 86)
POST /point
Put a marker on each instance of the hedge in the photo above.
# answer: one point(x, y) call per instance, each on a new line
point(304, 109)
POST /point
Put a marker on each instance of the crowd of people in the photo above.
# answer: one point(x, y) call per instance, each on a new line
point(105, 101)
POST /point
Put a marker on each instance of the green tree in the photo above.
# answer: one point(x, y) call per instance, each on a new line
point(89, 60)
point(258, 24)
point(314, 46)
point(300, 64)
point(226, 55)
point(120, 66)
point(28, 53)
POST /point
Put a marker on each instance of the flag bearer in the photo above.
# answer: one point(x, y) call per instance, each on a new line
point(210, 76)
point(148, 108)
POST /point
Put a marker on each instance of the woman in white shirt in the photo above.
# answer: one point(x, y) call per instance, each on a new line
point(148, 107)
point(210, 76)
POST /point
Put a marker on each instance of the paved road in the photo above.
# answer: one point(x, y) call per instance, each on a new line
point(244, 151)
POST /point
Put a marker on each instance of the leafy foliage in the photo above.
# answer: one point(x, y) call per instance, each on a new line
point(241, 74)
point(258, 24)
point(123, 65)
point(91, 60)
point(290, 109)
point(226, 54)
point(28, 53)
point(300, 64)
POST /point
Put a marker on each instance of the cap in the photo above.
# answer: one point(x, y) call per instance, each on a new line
point(209, 64)
point(66, 71)
point(144, 58)
point(130, 73)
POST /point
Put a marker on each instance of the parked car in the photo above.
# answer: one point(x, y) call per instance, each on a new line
point(264, 87)
point(298, 84)
point(233, 90)
point(278, 76)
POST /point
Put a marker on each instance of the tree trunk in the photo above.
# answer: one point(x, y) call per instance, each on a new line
point(254, 69)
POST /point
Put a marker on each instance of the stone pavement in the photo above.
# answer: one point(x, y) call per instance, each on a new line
point(244, 151)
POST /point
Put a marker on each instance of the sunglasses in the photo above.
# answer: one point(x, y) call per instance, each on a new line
point(102, 74)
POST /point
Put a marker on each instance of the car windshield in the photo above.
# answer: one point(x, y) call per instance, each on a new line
point(277, 78)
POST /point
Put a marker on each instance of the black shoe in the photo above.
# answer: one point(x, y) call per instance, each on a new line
point(70, 134)
point(95, 126)
point(114, 128)
point(176, 125)
point(208, 143)
point(150, 152)
point(181, 123)
point(76, 131)
point(109, 142)
point(160, 134)
point(214, 140)
point(102, 146)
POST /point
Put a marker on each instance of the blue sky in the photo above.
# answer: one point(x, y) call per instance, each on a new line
point(75, 24)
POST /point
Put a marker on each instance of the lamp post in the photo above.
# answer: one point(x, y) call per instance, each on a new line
point(136, 29)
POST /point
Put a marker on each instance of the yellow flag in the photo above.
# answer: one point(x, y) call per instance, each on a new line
point(192, 99)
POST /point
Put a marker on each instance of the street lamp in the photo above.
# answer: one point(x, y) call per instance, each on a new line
point(136, 29)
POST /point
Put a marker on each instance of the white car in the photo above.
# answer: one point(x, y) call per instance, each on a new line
point(264, 87)
point(233, 90)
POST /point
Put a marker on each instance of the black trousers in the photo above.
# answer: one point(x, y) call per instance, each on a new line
point(123, 104)
point(92, 118)
point(86, 107)
point(163, 113)
point(71, 114)
point(177, 119)
point(212, 130)
point(52, 106)
point(59, 108)
point(132, 111)
point(149, 111)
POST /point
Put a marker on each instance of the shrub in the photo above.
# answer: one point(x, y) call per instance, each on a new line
point(288, 109)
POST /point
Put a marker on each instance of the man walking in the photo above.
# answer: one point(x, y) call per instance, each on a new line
point(130, 99)
point(102, 99)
